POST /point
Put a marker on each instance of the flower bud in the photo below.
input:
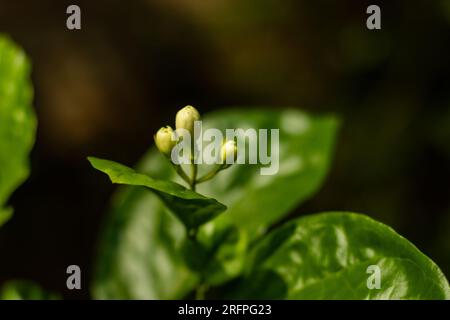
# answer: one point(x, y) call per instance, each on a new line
point(186, 117)
point(229, 149)
point(164, 140)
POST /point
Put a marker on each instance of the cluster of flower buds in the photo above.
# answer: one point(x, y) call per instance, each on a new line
point(165, 138)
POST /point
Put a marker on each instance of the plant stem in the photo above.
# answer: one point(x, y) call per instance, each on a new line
point(201, 289)
point(210, 174)
point(193, 175)
point(181, 173)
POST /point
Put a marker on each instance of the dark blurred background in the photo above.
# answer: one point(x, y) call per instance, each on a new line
point(104, 90)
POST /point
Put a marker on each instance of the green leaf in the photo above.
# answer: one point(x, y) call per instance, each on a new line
point(138, 228)
point(17, 120)
point(256, 201)
point(25, 290)
point(215, 257)
point(326, 256)
point(191, 208)
point(139, 256)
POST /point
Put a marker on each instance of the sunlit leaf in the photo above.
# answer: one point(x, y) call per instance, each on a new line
point(333, 256)
point(191, 208)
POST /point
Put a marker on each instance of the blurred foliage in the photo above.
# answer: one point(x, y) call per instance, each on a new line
point(17, 121)
point(17, 133)
point(24, 290)
point(327, 256)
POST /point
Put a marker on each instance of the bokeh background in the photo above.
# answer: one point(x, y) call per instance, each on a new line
point(104, 91)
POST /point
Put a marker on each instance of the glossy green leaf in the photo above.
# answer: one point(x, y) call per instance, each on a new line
point(17, 121)
point(191, 208)
point(25, 290)
point(328, 256)
point(138, 228)
point(255, 201)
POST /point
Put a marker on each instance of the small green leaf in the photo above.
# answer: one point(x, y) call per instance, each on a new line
point(17, 120)
point(25, 290)
point(327, 256)
point(191, 208)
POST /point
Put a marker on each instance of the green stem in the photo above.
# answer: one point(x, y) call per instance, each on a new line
point(181, 173)
point(193, 175)
point(211, 174)
point(201, 289)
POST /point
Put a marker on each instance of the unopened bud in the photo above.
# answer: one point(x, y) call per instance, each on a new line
point(186, 117)
point(165, 140)
point(229, 151)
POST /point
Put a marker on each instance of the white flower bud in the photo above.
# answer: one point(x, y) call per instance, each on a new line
point(186, 117)
point(164, 140)
point(229, 149)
